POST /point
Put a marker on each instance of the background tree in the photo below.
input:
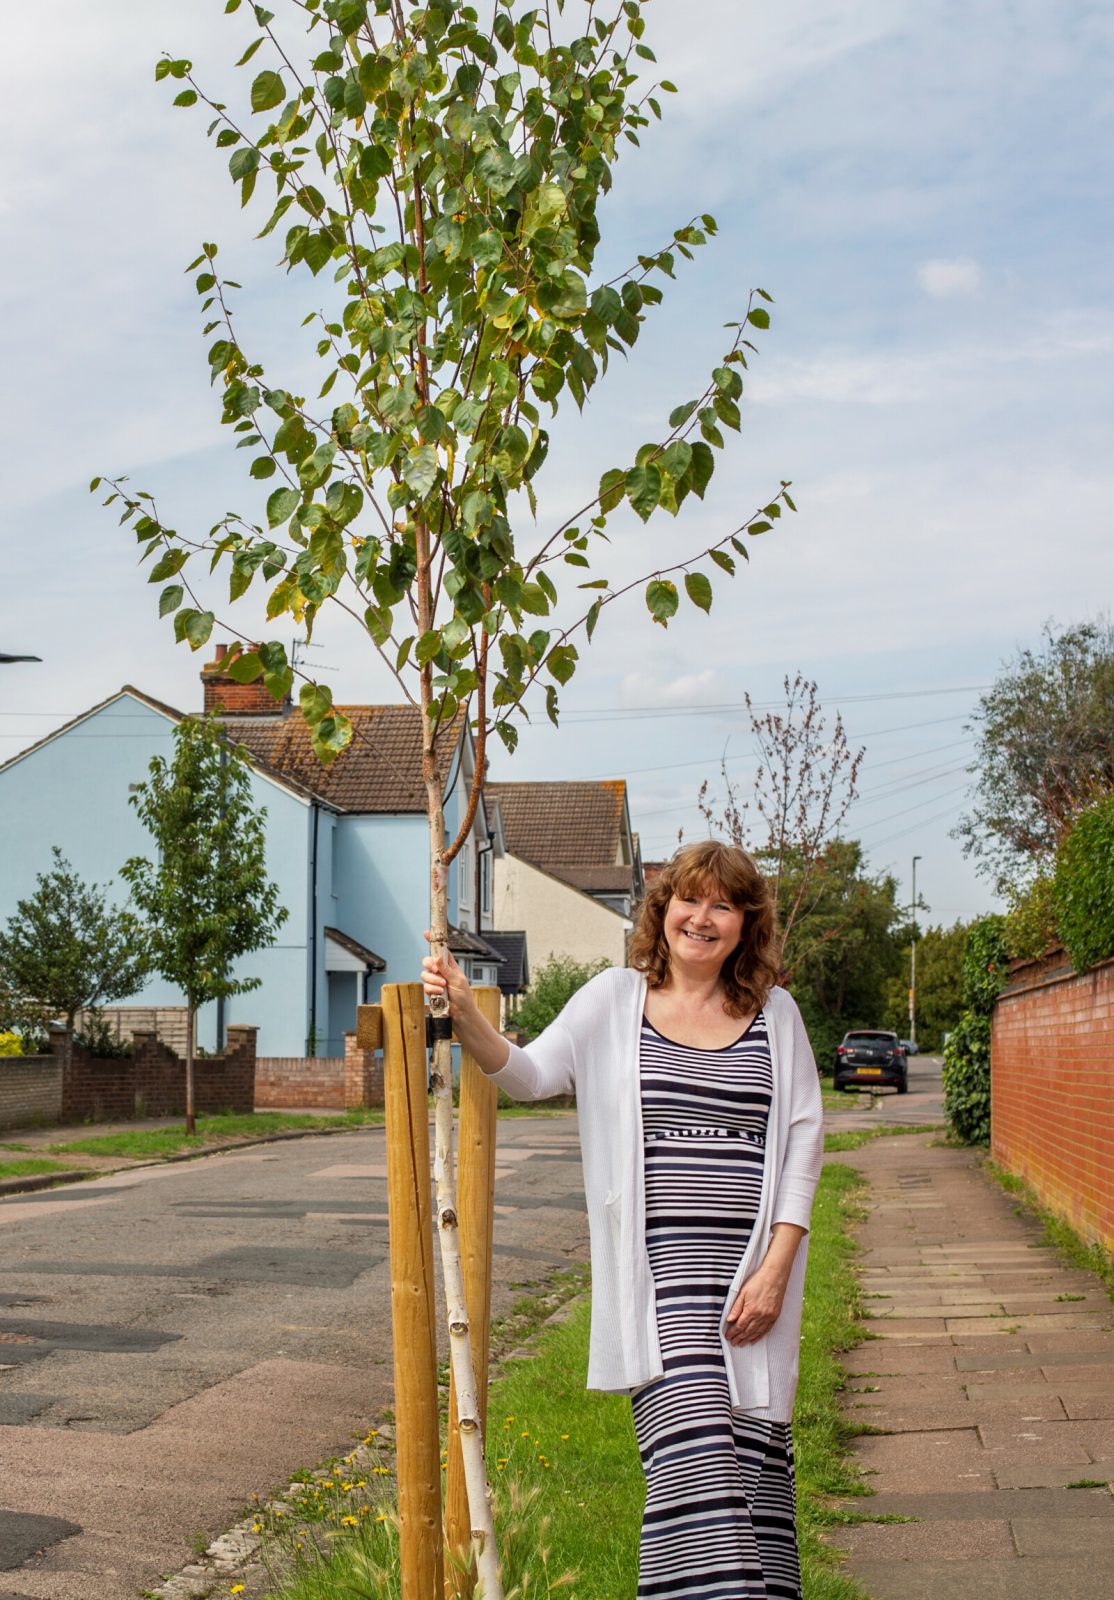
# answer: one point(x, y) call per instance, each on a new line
point(1045, 751)
point(804, 785)
point(853, 942)
point(448, 173)
point(208, 901)
point(966, 1072)
point(939, 986)
point(551, 988)
point(67, 950)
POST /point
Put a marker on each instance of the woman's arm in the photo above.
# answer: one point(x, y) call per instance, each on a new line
point(486, 1045)
point(758, 1304)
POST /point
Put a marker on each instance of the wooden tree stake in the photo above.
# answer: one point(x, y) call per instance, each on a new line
point(417, 1432)
point(476, 1197)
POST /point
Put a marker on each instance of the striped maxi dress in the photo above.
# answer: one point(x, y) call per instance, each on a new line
point(720, 1515)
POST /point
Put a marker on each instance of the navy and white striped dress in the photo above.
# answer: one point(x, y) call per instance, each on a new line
point(720, 1517)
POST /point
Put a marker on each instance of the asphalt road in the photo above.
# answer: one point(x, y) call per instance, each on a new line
point(174, 1338)
point(923, 1104)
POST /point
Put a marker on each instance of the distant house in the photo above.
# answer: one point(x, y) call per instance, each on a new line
point(570, 872)
point(346, 844)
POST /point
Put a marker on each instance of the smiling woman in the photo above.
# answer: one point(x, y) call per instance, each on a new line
point(701, 1130)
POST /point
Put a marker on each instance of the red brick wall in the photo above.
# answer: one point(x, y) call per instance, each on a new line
point(1052, 1089)
point(30, 1090)
point(152, 1081)
point(303, 1083)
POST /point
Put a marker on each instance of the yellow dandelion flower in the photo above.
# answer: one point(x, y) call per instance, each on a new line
point(237, 1588)
point(257, 1527)
point(373, 1433)
point(361, 1483)
point(564, 1436)
point(510, 1419)
point(383, 1472)
point(525, 1435)
point(382, 1517)
point(349, 1522)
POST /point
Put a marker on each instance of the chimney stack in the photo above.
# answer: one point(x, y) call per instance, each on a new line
point(224, 696)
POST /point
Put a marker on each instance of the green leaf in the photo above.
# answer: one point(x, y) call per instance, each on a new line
point(703, 465)
point(561, 662)
point(421, 469)
point(643, 488)
point(613, 486)
point(282, 505)
point(662, 600)
point(722, 559)
point(171, 598)
point(263, 467)
point(759, 317)
point(267, 91)
point(761, 526)
point(316, 701)
point(427, 647)
point(680, 414)
point(168, 566)
point(728, 382)
point(699, 590)
point(245, 668)
point(592, 618)
point(188, 97)
point(676, 458)
point(193, 628)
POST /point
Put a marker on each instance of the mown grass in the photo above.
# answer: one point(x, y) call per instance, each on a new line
point(143, 1143)
point(34, 1167)
point(566, 1472)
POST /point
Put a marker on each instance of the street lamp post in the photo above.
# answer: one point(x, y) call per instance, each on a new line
point(913, 959)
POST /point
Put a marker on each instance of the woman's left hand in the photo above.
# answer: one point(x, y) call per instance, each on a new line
point(756, 1309)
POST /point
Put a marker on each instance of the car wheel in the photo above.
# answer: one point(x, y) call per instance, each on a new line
point(903, 1085)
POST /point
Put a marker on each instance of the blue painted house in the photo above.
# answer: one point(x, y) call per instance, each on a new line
point(347, 846)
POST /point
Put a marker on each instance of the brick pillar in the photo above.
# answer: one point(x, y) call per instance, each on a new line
point(363, 1075)
point(239, 1066)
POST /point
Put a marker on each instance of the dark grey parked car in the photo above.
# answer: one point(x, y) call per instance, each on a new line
point(869, 1057)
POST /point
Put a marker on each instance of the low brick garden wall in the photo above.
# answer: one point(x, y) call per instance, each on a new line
point(321, 1083)
point(30, 1091)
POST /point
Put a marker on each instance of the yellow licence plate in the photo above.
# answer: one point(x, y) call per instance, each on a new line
point(867, 1071)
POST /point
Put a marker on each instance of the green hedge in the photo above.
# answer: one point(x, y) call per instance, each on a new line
point(1083, 888)
point(967, 1052)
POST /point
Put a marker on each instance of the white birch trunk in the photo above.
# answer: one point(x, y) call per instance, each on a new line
point(480, 1516)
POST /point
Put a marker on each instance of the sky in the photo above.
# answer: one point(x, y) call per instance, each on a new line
point(923, 188)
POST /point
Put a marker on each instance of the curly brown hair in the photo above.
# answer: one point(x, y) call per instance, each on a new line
point(752, 968)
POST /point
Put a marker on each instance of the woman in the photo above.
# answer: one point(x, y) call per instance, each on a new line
point(701, 1132)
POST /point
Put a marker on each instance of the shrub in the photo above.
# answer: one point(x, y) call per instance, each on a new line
point(554, 984)
point(101, 1040)
point(11, 1044)
point(1031, 926)
point(967, 1078)
point(1083, 888)
point(967, 1052)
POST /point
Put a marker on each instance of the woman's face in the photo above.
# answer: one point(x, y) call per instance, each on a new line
point(702, 929)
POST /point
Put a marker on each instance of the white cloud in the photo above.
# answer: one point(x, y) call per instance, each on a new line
point(947, 278)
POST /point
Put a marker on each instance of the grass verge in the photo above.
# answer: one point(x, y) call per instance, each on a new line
point(142, 1143)
point(34, 1167)
point(855, 1138)
point(1091, 1256)
point(567, 1477)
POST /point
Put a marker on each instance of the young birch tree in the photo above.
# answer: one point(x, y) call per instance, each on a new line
point(444, 171)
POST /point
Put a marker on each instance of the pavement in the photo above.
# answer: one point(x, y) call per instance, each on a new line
point(176, 1338)
point(988, 1389)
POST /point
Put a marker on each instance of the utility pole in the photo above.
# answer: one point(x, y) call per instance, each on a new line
point(913, 960)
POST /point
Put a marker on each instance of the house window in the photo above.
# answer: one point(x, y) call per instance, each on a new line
point(465, 884)
point(485, 887)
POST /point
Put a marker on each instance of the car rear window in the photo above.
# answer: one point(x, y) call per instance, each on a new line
point(871, 1038)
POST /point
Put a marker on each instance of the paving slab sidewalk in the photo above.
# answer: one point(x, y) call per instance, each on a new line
point(990, 1380)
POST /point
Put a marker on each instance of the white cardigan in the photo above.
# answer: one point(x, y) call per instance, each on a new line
point(593, 1047)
